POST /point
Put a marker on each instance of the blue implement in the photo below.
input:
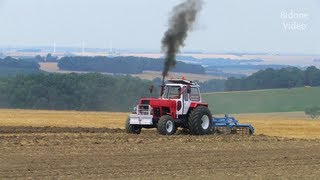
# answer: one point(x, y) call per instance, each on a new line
point(231, 124)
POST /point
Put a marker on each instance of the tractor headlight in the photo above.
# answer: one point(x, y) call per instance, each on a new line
point(179, 105)
point(134, 110)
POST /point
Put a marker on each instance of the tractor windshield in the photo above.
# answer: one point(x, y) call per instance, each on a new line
point(172, 92)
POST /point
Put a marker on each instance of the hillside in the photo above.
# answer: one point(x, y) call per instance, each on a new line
point(275, 100)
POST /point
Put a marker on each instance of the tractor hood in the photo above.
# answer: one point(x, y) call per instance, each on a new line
point(161, 106)
point(153, 102)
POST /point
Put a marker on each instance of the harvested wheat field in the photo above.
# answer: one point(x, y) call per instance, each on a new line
point(81, 145)
point(42, 118)
point(291, 124)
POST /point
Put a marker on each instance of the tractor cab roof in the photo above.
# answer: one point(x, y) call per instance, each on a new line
point(182, 81)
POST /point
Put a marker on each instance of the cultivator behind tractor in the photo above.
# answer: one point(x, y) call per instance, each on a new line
point(229, 125)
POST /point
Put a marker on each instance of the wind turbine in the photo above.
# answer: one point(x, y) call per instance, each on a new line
point(83, 47)
point(54, 47)
point(110, 48)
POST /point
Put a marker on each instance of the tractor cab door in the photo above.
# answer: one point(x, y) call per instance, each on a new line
point(186, 102)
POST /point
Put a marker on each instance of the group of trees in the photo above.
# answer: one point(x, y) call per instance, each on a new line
point(10, 62)
point(123, 65)
point(214, 85)
point(270, 78)
point(48, 58)
point(73, 91)
point(10, 66)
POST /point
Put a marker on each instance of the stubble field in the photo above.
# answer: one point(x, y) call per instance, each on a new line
point(82, 145)
point(289, 124)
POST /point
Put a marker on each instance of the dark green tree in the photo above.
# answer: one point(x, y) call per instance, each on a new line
point(313, 112)
point(312, 76)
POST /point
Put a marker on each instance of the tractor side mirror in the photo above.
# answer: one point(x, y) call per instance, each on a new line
point(151, 88)
point(188, 89)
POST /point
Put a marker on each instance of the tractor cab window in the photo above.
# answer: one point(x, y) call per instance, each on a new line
point(172, 92)
point(185, 95)
point(195, 94)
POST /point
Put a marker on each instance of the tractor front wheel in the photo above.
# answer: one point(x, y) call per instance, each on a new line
point(131, 128)
point(166, 125)
point(200, 121)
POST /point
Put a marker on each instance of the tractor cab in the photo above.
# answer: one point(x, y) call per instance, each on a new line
point(181, 89)
point(184, 92)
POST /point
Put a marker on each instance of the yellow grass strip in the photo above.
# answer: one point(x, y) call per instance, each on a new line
point(41, 118)
point(292, 124)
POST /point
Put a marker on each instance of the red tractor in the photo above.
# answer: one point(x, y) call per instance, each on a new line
point(180, 105)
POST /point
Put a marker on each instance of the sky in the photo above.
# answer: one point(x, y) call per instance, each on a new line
point(222, 26)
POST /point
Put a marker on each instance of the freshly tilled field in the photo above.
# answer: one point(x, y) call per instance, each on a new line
point(82, 153)
point(93, 145)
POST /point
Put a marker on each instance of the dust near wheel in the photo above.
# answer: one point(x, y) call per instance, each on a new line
point(200, 121)
point(166, 125)
point(132, 129)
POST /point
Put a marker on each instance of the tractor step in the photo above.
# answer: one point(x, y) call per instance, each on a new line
point(229, 125)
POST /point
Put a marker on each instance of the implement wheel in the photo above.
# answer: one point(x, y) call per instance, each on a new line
point(131, 128)
point(166, 125)
point(200, 121)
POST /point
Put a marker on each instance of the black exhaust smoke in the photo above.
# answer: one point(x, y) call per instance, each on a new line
point(180, 23)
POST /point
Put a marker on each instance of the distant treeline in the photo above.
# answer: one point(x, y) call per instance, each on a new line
point(123, 65)
point(213, 85)
point(92, 91)
point(10, 66)
point(270, 78)
point(73, 91)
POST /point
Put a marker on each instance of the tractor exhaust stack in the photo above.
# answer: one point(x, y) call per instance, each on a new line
point(162, 86)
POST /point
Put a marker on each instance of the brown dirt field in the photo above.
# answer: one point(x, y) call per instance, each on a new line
point(49, 66)
point(104, 154)
point(91, 145)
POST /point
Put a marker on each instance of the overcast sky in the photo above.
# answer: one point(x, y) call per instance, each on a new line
point(224, 25)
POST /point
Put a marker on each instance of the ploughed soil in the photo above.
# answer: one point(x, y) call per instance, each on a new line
point(102, 153)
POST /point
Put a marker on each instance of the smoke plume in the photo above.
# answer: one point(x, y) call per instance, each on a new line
point(180, 23)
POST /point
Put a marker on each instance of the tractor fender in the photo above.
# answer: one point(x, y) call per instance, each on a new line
point(193, 105)
point(196, 104)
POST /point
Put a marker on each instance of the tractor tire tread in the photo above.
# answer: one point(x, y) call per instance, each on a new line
point(132, 129)
point(162, 125)
point(194, 121)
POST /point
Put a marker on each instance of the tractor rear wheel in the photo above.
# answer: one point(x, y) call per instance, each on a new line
point(131, 128)
point(166, 125)
point(200, 121)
